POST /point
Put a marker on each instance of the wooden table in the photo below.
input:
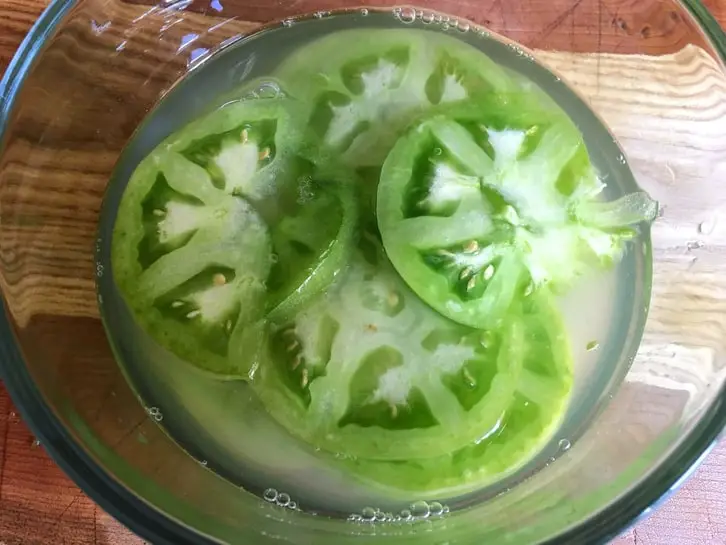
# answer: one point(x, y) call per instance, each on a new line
point(40, 505)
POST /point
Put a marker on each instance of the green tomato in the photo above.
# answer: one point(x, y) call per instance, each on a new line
point(365, 86)
point(534, 412)
point(191, 252)
point(477, 208)
point(370, 371)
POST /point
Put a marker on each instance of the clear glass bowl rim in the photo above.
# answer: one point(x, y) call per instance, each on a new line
point(155, 527)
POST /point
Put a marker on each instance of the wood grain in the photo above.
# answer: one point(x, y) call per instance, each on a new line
point(38, 504)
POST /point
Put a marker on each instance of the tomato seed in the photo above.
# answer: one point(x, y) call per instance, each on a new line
point(194, 314)
point(293, 346)
point(264, 154)
point(304, 378)
point(177, 304)
point(245, 136)
point(471, 284)
point(394, 410)
point(296, 362)
point(489, 272)
point(469, 379)
point(159, 212)
point(466, 273)
point(472, 247)
point(219, 279)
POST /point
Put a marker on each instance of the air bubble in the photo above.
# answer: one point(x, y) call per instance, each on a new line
point(355, 518)
point(292, 505)
point(204, 463)
point(283, 500)
point(274, 258)
point(270, 495)
point(445, 27)
point(427, 18)
point(368, 514)
point(364, 12)
point(438, 151)
point(99, 269)
point(621, 159)
point(405, 15)
point(406, 515)
point(694, 245)
point(268, 89)
point(463, 26)
point(705, 227)
point(436, 508)
point(420, 510)
point(321, 14)
point(565, 445)
point(288, 22)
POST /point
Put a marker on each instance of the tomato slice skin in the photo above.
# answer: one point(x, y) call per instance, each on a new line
point(479, 207)
point(367, 85)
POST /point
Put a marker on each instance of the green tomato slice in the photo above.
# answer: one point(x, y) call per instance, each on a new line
point(365, 86)
point(311, 242)
point(533, 414)
point(191, 262)
point(371, 371)
point(477, 208)
point(190, 252)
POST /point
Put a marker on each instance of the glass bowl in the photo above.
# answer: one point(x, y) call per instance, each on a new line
point(90, 71)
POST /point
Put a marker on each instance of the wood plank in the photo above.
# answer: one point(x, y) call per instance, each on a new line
point(38, 505)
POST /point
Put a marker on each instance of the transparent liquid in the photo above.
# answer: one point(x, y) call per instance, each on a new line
point(222, 424)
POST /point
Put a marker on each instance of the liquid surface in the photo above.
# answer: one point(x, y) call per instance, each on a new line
point(252, 436)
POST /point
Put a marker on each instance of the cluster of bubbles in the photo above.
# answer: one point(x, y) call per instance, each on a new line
point(281, 499)
point(420, 510)
point(408, 15)
point(521, 52)
point(155, 413)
